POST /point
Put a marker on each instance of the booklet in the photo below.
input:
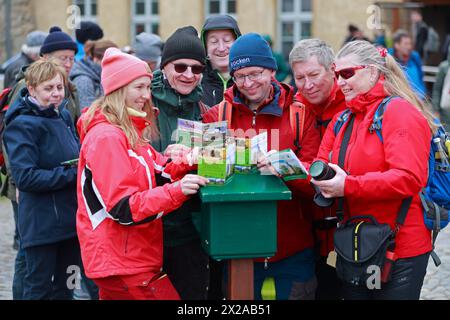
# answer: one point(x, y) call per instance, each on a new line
point(287, 165)
point(248, 150)
point(217, 151)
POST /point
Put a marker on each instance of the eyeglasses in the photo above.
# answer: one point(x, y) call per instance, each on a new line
point(254, 76)
point(195, 69)
point(347, 73)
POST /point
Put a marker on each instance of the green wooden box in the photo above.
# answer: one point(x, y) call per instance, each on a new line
point(239, 219)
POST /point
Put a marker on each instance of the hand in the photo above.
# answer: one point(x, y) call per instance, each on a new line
point(191, 183)
point(177, 152)
point(264, 165)
point(332, 188)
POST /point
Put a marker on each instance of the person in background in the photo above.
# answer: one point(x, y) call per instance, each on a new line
point(283, 67)
point(148, 48)
point(354, 33)
point(218, 34)
point(438, 91)
point(29, 53)
point(121, 201)
point(39, 137)
point(86, 73)
point(88, 31)
point(312, 62)
point(420, 32)
point(177, 93)
point(410, 61)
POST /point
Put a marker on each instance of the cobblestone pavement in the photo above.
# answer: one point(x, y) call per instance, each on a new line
point(436, 286)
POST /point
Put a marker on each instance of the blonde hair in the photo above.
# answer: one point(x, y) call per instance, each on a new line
point(114, 109)
point(395, 83)
point(44, 70)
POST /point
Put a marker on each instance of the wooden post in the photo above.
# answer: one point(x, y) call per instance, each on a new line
point(240, 280)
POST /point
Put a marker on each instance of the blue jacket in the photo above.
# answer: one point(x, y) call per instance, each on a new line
point(413, 72)
point(37, 141)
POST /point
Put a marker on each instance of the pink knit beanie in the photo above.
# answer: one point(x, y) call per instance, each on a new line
point(119, 69)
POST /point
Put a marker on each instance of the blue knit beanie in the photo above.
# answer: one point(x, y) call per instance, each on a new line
point(58, 40)
point(251, 50)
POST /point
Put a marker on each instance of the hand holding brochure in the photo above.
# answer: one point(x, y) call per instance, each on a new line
point(287, 165)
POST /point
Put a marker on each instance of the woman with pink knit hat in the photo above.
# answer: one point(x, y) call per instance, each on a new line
point(121, 198)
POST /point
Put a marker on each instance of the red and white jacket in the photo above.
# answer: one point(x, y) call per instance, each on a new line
point(119, 201)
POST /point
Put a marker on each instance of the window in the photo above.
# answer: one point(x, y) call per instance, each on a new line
point(295, 23)
point(145, 17)
point(88, 9)
point(213, 7)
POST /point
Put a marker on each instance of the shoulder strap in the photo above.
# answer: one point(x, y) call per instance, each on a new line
point(378, 117)
point(297, 122)
point(340, 121)
point(341, 161)
point(225, 112)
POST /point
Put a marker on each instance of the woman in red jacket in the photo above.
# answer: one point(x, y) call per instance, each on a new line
point(124, 186)
point(377, 176)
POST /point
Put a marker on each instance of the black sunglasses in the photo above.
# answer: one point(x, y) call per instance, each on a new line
point(182, 67)
point(347, 73)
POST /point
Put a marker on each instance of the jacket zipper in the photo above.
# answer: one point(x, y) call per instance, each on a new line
point(254, 119)
point(126, 241)
point(55, 208)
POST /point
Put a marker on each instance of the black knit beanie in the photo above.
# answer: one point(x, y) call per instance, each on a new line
point(88, 31)
point(58, 40)
point(184, 43)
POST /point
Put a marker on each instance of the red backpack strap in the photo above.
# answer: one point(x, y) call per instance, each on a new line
point(4, 96)
point(225, 111)
point(297, 121)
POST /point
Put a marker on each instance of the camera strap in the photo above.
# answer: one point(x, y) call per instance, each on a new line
point(341, 162)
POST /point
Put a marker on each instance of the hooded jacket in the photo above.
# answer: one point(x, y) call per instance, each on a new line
point(294, 232)
point(178, 226)
point(381, 175)
point(213, 84)
point(86, 76)
point(323, 115)
point(37, 142)
point(119, 201)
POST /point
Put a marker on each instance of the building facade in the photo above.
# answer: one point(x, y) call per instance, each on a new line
point(286, 21)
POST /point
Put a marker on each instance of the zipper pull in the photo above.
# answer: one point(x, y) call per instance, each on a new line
point(266, 260)
point(254, 119)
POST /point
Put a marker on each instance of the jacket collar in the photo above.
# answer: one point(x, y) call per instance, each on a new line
point(281, 95)
point(363, 101)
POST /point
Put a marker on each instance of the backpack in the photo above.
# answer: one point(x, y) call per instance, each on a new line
point(296, 119)
point(4, 97)
point(432, 42)
point(435, 196)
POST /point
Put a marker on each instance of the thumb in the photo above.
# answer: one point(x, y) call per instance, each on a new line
point(336, 168)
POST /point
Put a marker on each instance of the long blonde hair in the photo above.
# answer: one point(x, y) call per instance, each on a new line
point(114, 109)
point(395, 83)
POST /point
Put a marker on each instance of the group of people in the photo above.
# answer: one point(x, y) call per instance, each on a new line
point(102, 184)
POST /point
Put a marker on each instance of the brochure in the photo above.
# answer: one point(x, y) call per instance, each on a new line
point(287, 165)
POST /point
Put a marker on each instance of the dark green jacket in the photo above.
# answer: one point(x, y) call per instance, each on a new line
point(178, 225)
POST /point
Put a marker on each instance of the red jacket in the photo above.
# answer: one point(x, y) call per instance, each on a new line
point(119, 203)
point(294, 223)
point(324, 114)
point(381, 175)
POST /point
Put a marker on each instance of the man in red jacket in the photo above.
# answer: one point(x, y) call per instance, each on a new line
point(259, 103)
point(313, 68)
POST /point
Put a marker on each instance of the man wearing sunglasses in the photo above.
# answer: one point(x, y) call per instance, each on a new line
point(176, 92)
point(260, 103)
point(313, 68)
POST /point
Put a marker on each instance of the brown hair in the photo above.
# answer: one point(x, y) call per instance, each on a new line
point(96, 49)
point(43, 70)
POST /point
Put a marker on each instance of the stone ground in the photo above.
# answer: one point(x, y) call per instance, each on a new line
point(436, 286)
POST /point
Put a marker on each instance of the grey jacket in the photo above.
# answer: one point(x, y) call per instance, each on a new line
point(86, 76)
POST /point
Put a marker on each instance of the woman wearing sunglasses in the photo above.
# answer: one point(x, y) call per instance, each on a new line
point(176, 92)
point(121, 196)
point(378, 175)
